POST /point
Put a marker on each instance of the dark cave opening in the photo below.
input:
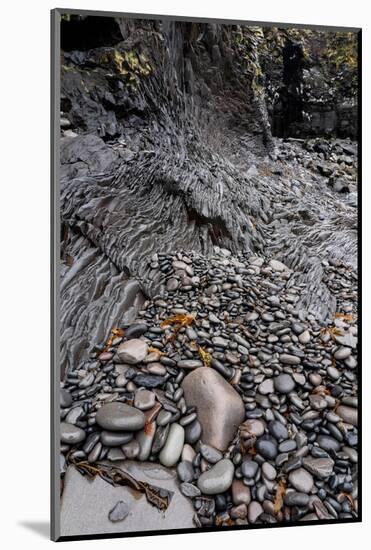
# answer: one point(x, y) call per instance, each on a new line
point(288, 109)
point(86, 32)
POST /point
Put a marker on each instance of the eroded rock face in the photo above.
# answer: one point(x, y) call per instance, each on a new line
point(220, 409)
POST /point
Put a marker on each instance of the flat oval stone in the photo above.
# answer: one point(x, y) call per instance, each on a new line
point(172, 284)
point(160, 438)
point(189, 364)
point(348, 414)
point(149, 380)
point(189, 490)
point(90, 442)
point(189, 418)
point(115, 454)
point(296, 499)
point(220, 342)
point(188, 453)
point(65, 398)
point(105, 356)
point(254, 510)
point(157, 369)
point(191, 333)
point(278, 430)
point(253, 426)
point(319, 467)
point(315, 379)
point(249, 468)
point(115, 439)
point(241, 493)
point(351, 362)
point(328, 443)
point(342, 353)
point(287, 446)
point(133, 351)
point(163, 418)
point(301, 480)
point(135, 330)
point(284, 383)
point(173, 447)
point(74, 415)
point(119, 511)
point(267, 447)
point(144, 399)
point(119, 417)
point(87, 380)
point(269, 472)
point(266, 387)
point(121, 381)
point(218, 479)
point(304, 337)
point(131, 449)
point(299, 378)
point(95, 452)
point(333, 373)
point(145, 438)
point(351, 453)
point(185, 471)
point(71, 434)
point(288, 359)
point(193, 432)
point(211, 454)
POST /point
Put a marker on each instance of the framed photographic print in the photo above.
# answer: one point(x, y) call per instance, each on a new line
point(205, 230)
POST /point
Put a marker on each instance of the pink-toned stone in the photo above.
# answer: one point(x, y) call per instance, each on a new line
point(105, 356)
point(254, 511)
point(252, 427)
point(348, 414)
point(188, 453)
point(220, 409)
point(240, 493)
point(239, 512)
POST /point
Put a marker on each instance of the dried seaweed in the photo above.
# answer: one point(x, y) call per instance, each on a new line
point(115, 333)
point(279, 496)
point(151, 349)
point(205, 356)
point(349, 497)
point(177, 322)
point(157, 496)
point(332, 331)
point(345, 317)
point(321, 390)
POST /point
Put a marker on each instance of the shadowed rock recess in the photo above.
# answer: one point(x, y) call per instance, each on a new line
point(208, 193)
